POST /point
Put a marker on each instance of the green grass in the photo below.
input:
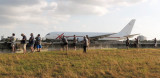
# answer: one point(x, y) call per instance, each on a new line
point(109, 63)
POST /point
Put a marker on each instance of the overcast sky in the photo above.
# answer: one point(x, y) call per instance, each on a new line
point(44, 16)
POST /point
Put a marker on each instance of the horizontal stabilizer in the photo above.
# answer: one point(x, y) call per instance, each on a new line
point(129, 36)
point(102, 36)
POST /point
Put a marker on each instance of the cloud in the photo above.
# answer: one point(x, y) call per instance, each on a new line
point(45, 14)
point(18, 2)
point(84, 26)
point(89, 7)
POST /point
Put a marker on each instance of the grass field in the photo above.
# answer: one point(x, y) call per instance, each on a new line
point(109, 63)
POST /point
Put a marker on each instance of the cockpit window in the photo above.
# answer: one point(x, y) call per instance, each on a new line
point(48, 34)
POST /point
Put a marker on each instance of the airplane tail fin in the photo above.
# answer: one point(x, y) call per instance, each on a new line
point(127, 29)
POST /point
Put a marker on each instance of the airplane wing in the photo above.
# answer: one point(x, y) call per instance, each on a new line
point(129, 36)
point(101, 36)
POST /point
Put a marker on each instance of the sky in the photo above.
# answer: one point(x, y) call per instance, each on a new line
point(44, 16)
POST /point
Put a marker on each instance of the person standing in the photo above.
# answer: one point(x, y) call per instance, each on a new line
point(23, 42)
point(127, 43)
point(13, 43)
point(137, 42)
point(35, 44)
point(155, 43)
point(38, 42)
point(31, 42)
point(88, 40)
point(65, 43)
point(85, 44)
point(74, 42)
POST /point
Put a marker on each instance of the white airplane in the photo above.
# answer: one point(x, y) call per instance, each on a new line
point(123, 34)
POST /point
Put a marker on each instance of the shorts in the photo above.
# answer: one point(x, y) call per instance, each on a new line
point(65, 44)
point(127, 44)
point(74, 44)
point(31, 45)
point(13, 44)
point(24, 46)
point(39, 46)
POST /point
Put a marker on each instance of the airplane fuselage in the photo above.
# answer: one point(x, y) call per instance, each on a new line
point(80, 35)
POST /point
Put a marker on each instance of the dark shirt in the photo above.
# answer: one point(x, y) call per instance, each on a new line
point(155, 41)
point(65, 40)
point(23, 41)
point(38, 40)
point(127, 42)
point(31, 40)
point(137, 41)
point(74, 40)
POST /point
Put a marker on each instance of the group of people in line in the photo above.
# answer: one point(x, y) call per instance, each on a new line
point(136, 43)
point(86, 42)
point(33, 43)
